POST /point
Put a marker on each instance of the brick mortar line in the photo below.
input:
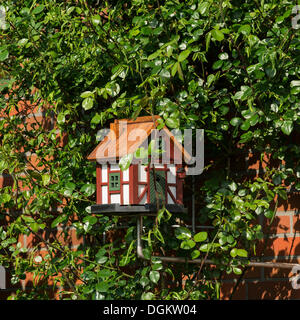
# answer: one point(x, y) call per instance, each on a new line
point(292, 229)
point(7, 175)
point(282, 235)
point(31, 287)
point(30, 250)
point(255, 280)
point(28, 116)
point(269, 258)
point(287, 213)
point(25, 241)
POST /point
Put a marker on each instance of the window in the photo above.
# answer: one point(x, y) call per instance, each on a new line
point(114, 181)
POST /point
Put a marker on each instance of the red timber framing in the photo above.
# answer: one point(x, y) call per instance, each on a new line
point(177, 185)
point(101, 184)
point(134, 184)
point(98, 183)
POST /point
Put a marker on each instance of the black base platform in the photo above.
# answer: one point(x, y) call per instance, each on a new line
point(133, 210)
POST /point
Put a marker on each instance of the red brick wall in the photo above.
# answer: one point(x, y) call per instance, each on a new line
point(281, 244)
point(282, 241)
point(35, 117)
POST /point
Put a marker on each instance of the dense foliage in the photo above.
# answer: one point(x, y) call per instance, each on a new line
point(230, 67)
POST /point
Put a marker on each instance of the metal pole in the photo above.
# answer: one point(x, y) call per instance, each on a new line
point(2, 278)
point(280, 265)
point(193, 205)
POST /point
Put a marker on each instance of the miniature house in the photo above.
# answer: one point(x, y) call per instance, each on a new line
point(137, 189)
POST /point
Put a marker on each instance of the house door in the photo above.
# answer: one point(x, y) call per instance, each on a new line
point(160, 186)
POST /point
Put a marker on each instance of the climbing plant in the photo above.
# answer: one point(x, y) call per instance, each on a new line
point(229, 67)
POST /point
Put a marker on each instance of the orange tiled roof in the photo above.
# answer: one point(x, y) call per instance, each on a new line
point(121, 141)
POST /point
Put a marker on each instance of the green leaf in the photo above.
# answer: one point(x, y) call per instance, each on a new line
point(223, 56)
point(187, 244)
point(87, 94)
point(235, 121)
point(244, 94)
point(102, 286)
point(242, 253)
point(237, 270)
point(295, 83)
point(147, 253)
point(69, 188)
point(4, 55)
point(154, 276)
point(154, 55)
point(35, 175)
point(200, 236)
point(165, 73)
point(180, 73)
point(254, 120)
point(217, 65)
point(205, 247)
point(245, 29)
point(173, 122)
point(246, 137)
point(144, 281)
point(91, 220)
point(88, 189)
point(207, 41)
point(141, 153)
point(151, 147)
point(101, 260)
point(195, 254)
point(38, 9)
point(174, 69)
point(245, 125)
point(230, 239)
point(125, 161)
point(87, 103)
point(232, 186)
point(269, 214)
point(203, 7)
point(46, 179)
point(270, 72)
point(277, 180)
point(96, 19)
point(282, 194)
point(4, 198)
point(169, 51)
point(104, 273)
point(238, 95)
point(183, 233)
point(157, 266)
point(96, 119)
point(217, 34)
point(287, 127)
point(61, 118)
point(147, 296)
point(58, 220)
point(233, 252)
point(183, 55)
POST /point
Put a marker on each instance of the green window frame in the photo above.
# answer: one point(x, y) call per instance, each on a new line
point(114, 181)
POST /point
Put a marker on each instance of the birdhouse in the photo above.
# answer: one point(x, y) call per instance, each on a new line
point(140, 187)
